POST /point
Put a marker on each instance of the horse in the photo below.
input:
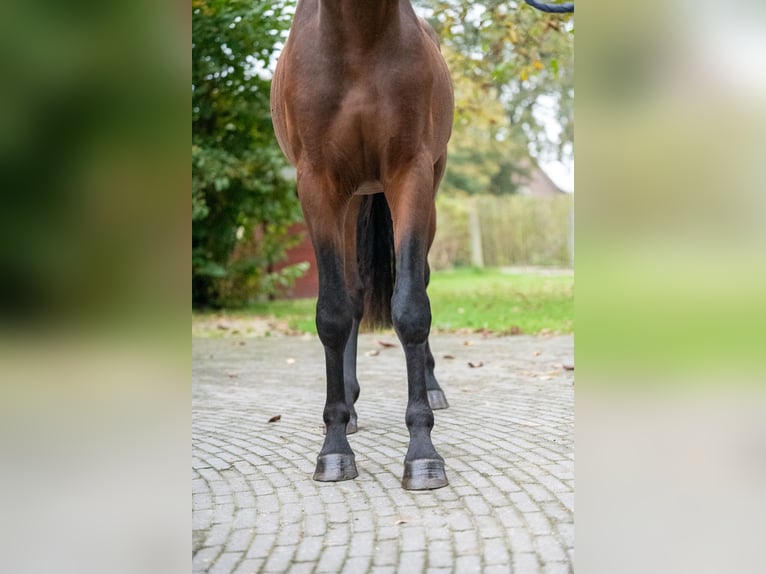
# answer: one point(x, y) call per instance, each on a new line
point(362, 106)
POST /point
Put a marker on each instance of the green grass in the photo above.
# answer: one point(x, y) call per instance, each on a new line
point(298, 313)
point(488, 300)
point(499, 302)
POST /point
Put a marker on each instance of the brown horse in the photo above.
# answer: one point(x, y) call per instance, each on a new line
point(362, 106)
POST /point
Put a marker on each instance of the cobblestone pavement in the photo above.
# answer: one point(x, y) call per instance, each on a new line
point(507, 440)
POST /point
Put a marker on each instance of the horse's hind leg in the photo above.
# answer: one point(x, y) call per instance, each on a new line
point(356, 293)
point(411, 202)
point(324, 217)
point(436, 396)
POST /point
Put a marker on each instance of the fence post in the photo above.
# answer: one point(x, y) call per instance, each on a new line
point(477, 253)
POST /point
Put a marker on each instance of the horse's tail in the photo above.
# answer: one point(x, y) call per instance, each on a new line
point(376, 260)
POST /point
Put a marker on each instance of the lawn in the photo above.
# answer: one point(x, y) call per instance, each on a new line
point(489, 300)
point(502, 302)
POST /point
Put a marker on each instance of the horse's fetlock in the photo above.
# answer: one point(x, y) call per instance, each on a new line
point(333, 324)
point(419, 418)
point(338, 414)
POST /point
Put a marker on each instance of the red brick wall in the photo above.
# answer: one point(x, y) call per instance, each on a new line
point(308, 284)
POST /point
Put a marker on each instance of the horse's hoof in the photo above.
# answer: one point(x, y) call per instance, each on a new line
point(437, 400)
point(334, 467)
point(424, 474)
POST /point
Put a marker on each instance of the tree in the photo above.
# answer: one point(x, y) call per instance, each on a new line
point(238, 186)
point(509, 62)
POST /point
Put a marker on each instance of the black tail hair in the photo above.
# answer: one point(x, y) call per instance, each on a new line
point(376, 260)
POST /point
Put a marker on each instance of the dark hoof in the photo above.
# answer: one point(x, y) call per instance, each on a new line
point(424, 474)
point(437, 400)
point(335, 467)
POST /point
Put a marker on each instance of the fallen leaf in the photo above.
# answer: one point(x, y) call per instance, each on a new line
point(515, 330)
point(222, 327)
point(275, 418)
point(386, 344)
point(448, 356)
point(476, 365)
point(373, 353)
point(467, 343)
point(567, 367)
point(537, 353)
point(401, 521)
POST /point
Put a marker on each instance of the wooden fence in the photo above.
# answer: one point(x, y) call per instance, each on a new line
point(498, 231)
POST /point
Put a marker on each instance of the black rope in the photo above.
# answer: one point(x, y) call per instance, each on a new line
point(554, 8)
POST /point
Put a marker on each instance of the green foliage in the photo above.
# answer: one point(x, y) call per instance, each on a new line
point(508, 62)
point(242, 205)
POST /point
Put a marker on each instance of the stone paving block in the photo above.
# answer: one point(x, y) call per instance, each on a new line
point(309, 549)
point(261, 546)
point(549, 549)
point(520, 539)
point(496, 551)
point(202, 501)
point(566, 533)
point(302, 568)
point(388, 532)
point(245, 518)
point(476, 505)
point(203, 559)
point(223, 513)
point(249, 566)
point(467, 564)
point(279, 559)
point(225, 563)
point(217, 535)
point(239, 540)
point(362, 544)
point(266, 522)
point(538, 523)
point(507, 442)
point(356, 564)
point(411, 561)
point(525, 563)
point(460, 520)
point(289, 534)
point(386, 553)
point(413, 539)
point(201, 519)
point(440, 554)
point(337, 535)
point(557, 568)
